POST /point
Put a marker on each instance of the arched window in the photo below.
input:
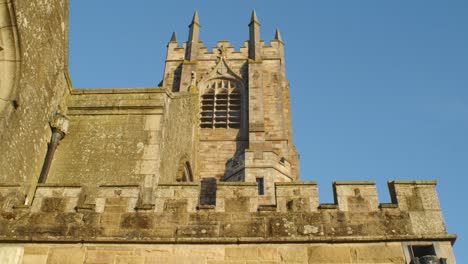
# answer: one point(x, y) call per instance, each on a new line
point(221, 104)
point(185, 172)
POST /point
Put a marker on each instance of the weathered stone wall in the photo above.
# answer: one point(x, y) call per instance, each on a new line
point(391, 252)
point(114, 138)
point(179, 136)
point(215, 148)
point(41, 86)
point(114, 213)
point(322, 233)
point(10, 59)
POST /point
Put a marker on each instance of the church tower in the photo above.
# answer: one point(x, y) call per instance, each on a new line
point(244, 125)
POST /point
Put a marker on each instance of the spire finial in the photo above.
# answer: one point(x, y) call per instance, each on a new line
point(173, 37)
point(195, 19)
point(278, 35)
point(193, 39)
point(254, 18)
point(254, 37)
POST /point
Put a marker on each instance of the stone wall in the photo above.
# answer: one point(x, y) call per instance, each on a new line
point(391, 252)
point(40, 86)
point(173, 213)
point(114, 138)
point(356, 229)
point(179, 136)
point(215, 148)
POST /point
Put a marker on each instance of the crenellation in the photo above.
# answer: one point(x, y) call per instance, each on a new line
point(350, 196)
point(356, 196)
point(414, 195)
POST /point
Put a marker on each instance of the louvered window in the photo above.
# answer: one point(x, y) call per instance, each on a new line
point(221, 105)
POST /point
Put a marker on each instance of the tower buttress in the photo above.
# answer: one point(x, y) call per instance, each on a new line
point(192, 47)
point(171, 77)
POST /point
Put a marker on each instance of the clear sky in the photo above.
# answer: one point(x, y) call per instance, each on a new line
point(379, 89)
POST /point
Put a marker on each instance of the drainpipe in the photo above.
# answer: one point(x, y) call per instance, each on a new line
point(59, 125)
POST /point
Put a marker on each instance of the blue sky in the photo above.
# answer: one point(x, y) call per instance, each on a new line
point(379, 89)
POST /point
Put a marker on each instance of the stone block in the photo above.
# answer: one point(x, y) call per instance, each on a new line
point(152, 122)
point(266, 253)
point(198, 231)
point(137, 221)
point(129, 259)
point(242, 253)
point(240, 204)
point(209, 252)
point(99, 257)
point(175, 206)
point(115, 209)
point(11, 254)
point(244, 229)
point(110, 220)
point(53, 204)
point(70, 255)
point(328, 254)
point(34, 259)
point(383, 253)
point(293, 254)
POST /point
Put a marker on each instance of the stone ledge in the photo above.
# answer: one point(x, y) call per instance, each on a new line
point(252, 184)
point(9, 185)
point(388, 205)
point(59, 185)
point(232, 240)
point(410, 182)
point(354, 183)
point(119, 185)
point(178, 184)
point(266, 208)
point(328, 206)
point(155, 89)
point(206, 207)
point(308, 183)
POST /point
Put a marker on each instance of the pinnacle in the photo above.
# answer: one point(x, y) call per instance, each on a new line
point(195, 19)
point(278, 35)
point(173, 37)
point(254, 18)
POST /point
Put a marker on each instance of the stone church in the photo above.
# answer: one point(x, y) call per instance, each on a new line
point(199, 169)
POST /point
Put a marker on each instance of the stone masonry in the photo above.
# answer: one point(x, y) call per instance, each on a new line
point(200, 169)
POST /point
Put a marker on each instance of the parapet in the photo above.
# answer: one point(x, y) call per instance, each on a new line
point(174, 213)
point(274, 51)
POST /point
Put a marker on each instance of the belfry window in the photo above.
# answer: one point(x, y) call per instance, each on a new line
point(221, 104)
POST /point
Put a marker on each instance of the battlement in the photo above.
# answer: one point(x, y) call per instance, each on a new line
point(175, 211)
point(176, 52)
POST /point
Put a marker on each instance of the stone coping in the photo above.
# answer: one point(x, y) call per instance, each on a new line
point(154, 89)
point(410, 182)
point(178, 184)
point(130, 185)
point(245, 184)
point(296, 183)
point(354, 183)
point(237, 240)
point(59, 185)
